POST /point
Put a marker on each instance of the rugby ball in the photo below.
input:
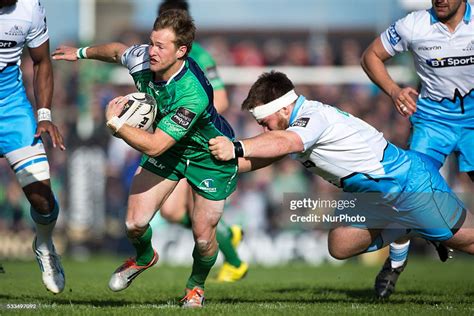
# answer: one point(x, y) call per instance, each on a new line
point(140, 111)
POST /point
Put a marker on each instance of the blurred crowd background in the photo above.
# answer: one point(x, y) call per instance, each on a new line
point(92, 177)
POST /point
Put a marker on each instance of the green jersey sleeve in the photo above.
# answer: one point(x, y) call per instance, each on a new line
point(208, 65)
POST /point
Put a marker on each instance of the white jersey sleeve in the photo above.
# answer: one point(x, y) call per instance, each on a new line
point(309, 126)
point(38, 33)
point(136, 58)
point(397, 38)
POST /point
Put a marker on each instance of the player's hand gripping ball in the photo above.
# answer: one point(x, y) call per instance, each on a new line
point(139, 111)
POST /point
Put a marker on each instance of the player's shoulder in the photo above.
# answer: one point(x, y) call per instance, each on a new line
point(309, 110)
point(26, 4)
point(326, 113)
point(313, 108)
point(201, 56)
point(24, 9)
point(419, 15)
point(416, 21)
point(190, 87)
point(193, 76)
point(136, 58)
point(197, 50)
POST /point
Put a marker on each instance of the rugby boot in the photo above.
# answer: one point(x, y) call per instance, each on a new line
point(128, 271)
point(444, 253)
point(51, 270)
point(237, 235)
point(194, 298)
point(387, 279)
point(229, 273)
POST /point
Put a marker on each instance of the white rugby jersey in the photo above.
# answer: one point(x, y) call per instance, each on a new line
point(22, 24)
point(336, 144)
point(444, 62)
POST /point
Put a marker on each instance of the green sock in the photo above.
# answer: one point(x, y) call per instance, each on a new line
point(201, 267)
point(143, 247)
point(224, 238)
point(186, 220)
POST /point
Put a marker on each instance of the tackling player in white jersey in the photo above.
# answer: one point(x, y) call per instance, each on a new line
point(23, 22)
point(441, 41)
point(406, 193)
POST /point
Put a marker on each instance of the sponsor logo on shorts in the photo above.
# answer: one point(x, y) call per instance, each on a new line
point(156, 164)
point(393, 36)
point(301, 122)
point(183, 117)
point(207, 185)
point(454, 61)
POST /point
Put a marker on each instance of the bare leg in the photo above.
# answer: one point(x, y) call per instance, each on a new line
point(463, 240)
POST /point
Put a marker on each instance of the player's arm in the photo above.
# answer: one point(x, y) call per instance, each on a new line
point(43, 90)
point(150, 144)
point(221, 101)
point(373, 63)
point(209, 66)
point(111, 52)
point(271, 144)
point(250, 164)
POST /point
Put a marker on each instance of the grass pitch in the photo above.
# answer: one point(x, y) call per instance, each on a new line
point(426, 287)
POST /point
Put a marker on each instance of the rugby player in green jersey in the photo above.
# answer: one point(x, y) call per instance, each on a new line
point(177, 149)
point(179, 204)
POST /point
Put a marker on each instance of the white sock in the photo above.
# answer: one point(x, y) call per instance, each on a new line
point(398, 254)
point(44, 238)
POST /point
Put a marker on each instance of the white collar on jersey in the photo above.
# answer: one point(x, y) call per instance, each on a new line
point(176, 73)
point(264, 110)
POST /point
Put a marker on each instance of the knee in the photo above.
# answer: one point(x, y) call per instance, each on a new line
point(135, 228)
point(337, 244)
point(204, 246)
point(40, 196)
point(338, 252)
point(166, 213)
point(42, 204)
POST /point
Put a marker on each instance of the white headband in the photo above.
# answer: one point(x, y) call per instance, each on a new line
point(262, 111)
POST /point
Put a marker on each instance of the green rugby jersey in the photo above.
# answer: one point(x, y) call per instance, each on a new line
point(207, 64)
point(185, 104)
